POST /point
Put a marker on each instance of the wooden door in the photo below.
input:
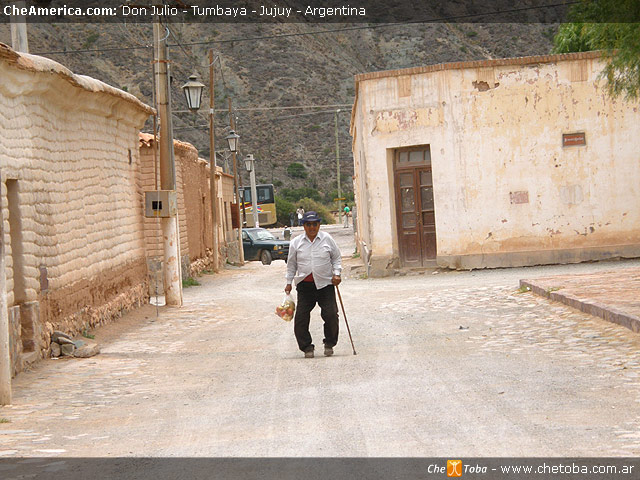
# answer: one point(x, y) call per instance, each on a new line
point(415, 207)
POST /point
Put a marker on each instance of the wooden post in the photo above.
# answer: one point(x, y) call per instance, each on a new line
point(212, 167)
point(338, 168)
point(19, 39)
point(170, 234)
point(235, 176)
point(5, 355)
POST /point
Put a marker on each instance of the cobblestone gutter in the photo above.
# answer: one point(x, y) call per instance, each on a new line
point(612, 296)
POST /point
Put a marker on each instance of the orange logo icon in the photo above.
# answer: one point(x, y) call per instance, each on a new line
point(454, 468)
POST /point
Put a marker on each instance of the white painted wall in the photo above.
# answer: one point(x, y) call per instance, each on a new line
point(501, 136)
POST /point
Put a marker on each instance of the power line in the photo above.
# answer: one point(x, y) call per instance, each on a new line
point(386, 25)
point(322, 32)
point(303, 115)
point(294, 107)
point(259, 109)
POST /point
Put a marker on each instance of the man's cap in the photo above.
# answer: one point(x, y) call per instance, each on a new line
point(310, 217)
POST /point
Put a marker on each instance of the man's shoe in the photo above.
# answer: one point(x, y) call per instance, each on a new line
point(328, 351)
point(308, 354)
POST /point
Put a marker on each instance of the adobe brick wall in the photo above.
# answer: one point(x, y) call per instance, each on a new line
point(194, 211)
point(70, 191)
point(149, 169)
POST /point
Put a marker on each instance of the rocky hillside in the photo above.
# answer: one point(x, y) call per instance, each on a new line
point(264, 68)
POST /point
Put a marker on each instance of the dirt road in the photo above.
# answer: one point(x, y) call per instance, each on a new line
point(448, 362)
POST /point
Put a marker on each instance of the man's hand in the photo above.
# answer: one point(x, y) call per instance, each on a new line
point(335, 280)
point(287, 289)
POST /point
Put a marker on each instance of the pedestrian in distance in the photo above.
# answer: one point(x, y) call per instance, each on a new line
point(314, 265)
point(293, 218)
point(346, 211)
point(300, 213)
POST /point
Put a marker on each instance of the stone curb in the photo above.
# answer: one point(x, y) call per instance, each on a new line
point(592, 308)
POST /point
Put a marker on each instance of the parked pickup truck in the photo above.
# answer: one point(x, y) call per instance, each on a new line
point(260, 244)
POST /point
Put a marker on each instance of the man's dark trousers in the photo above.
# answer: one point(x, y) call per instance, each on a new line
point(308, 296)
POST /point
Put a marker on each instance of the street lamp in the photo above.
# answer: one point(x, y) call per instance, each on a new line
point(248, 162)
point(232, 140)
point(249, 165)
point(193, 95)
point(193, 92)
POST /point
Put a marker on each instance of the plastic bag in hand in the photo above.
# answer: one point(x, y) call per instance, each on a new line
point(286, 308)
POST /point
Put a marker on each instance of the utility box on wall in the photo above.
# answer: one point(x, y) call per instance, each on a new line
point(160, 203)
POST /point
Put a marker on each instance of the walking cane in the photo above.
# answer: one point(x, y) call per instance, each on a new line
point(345, 320)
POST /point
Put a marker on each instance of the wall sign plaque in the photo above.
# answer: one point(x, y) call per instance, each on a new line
point(573, 139)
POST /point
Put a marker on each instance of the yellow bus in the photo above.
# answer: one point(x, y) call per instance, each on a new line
point(266, 206)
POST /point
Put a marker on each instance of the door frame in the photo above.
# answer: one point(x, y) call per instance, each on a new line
point(414, 168)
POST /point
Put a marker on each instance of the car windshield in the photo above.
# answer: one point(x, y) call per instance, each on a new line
point(261, 235)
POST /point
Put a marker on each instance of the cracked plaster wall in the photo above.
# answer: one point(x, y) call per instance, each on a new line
point(503, 181)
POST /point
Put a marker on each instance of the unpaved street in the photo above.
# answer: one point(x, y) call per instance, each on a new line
point(448, 362)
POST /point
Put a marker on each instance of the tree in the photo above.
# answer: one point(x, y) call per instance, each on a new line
point(284, 209)
point(612, 26)
point(297, 170)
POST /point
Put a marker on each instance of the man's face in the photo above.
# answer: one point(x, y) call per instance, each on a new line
point(311, 229)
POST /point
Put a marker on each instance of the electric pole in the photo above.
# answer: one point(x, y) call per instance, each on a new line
point(232, 123)
point(19, 39)
point(212, 166)
point(172, 266)
point(338, 169)
point(5, 355)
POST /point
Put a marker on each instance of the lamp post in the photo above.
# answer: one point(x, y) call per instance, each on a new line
point(232, 139)
point(249, 164)
point(193, 95)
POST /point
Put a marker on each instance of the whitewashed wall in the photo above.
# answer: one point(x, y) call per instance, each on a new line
point(495, 128)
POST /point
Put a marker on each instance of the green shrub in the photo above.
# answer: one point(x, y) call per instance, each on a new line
point(190, 282)
point(295, 194)
point(284, 208)
point(309, 204)
point(91, 39)
point(297, 170)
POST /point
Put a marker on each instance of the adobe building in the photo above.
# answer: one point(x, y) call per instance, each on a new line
point(71, 204)
point(495, 163)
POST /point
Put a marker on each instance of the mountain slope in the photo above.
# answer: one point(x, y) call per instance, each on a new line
point(273, 66)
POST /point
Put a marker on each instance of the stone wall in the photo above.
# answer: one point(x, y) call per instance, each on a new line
point(70, 199)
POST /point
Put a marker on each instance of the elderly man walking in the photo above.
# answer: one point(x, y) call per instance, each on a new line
point(315, 264)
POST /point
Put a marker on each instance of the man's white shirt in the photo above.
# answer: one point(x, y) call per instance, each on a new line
point(320, 257)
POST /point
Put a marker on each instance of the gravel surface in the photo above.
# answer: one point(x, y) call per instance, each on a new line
point(446, 362)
